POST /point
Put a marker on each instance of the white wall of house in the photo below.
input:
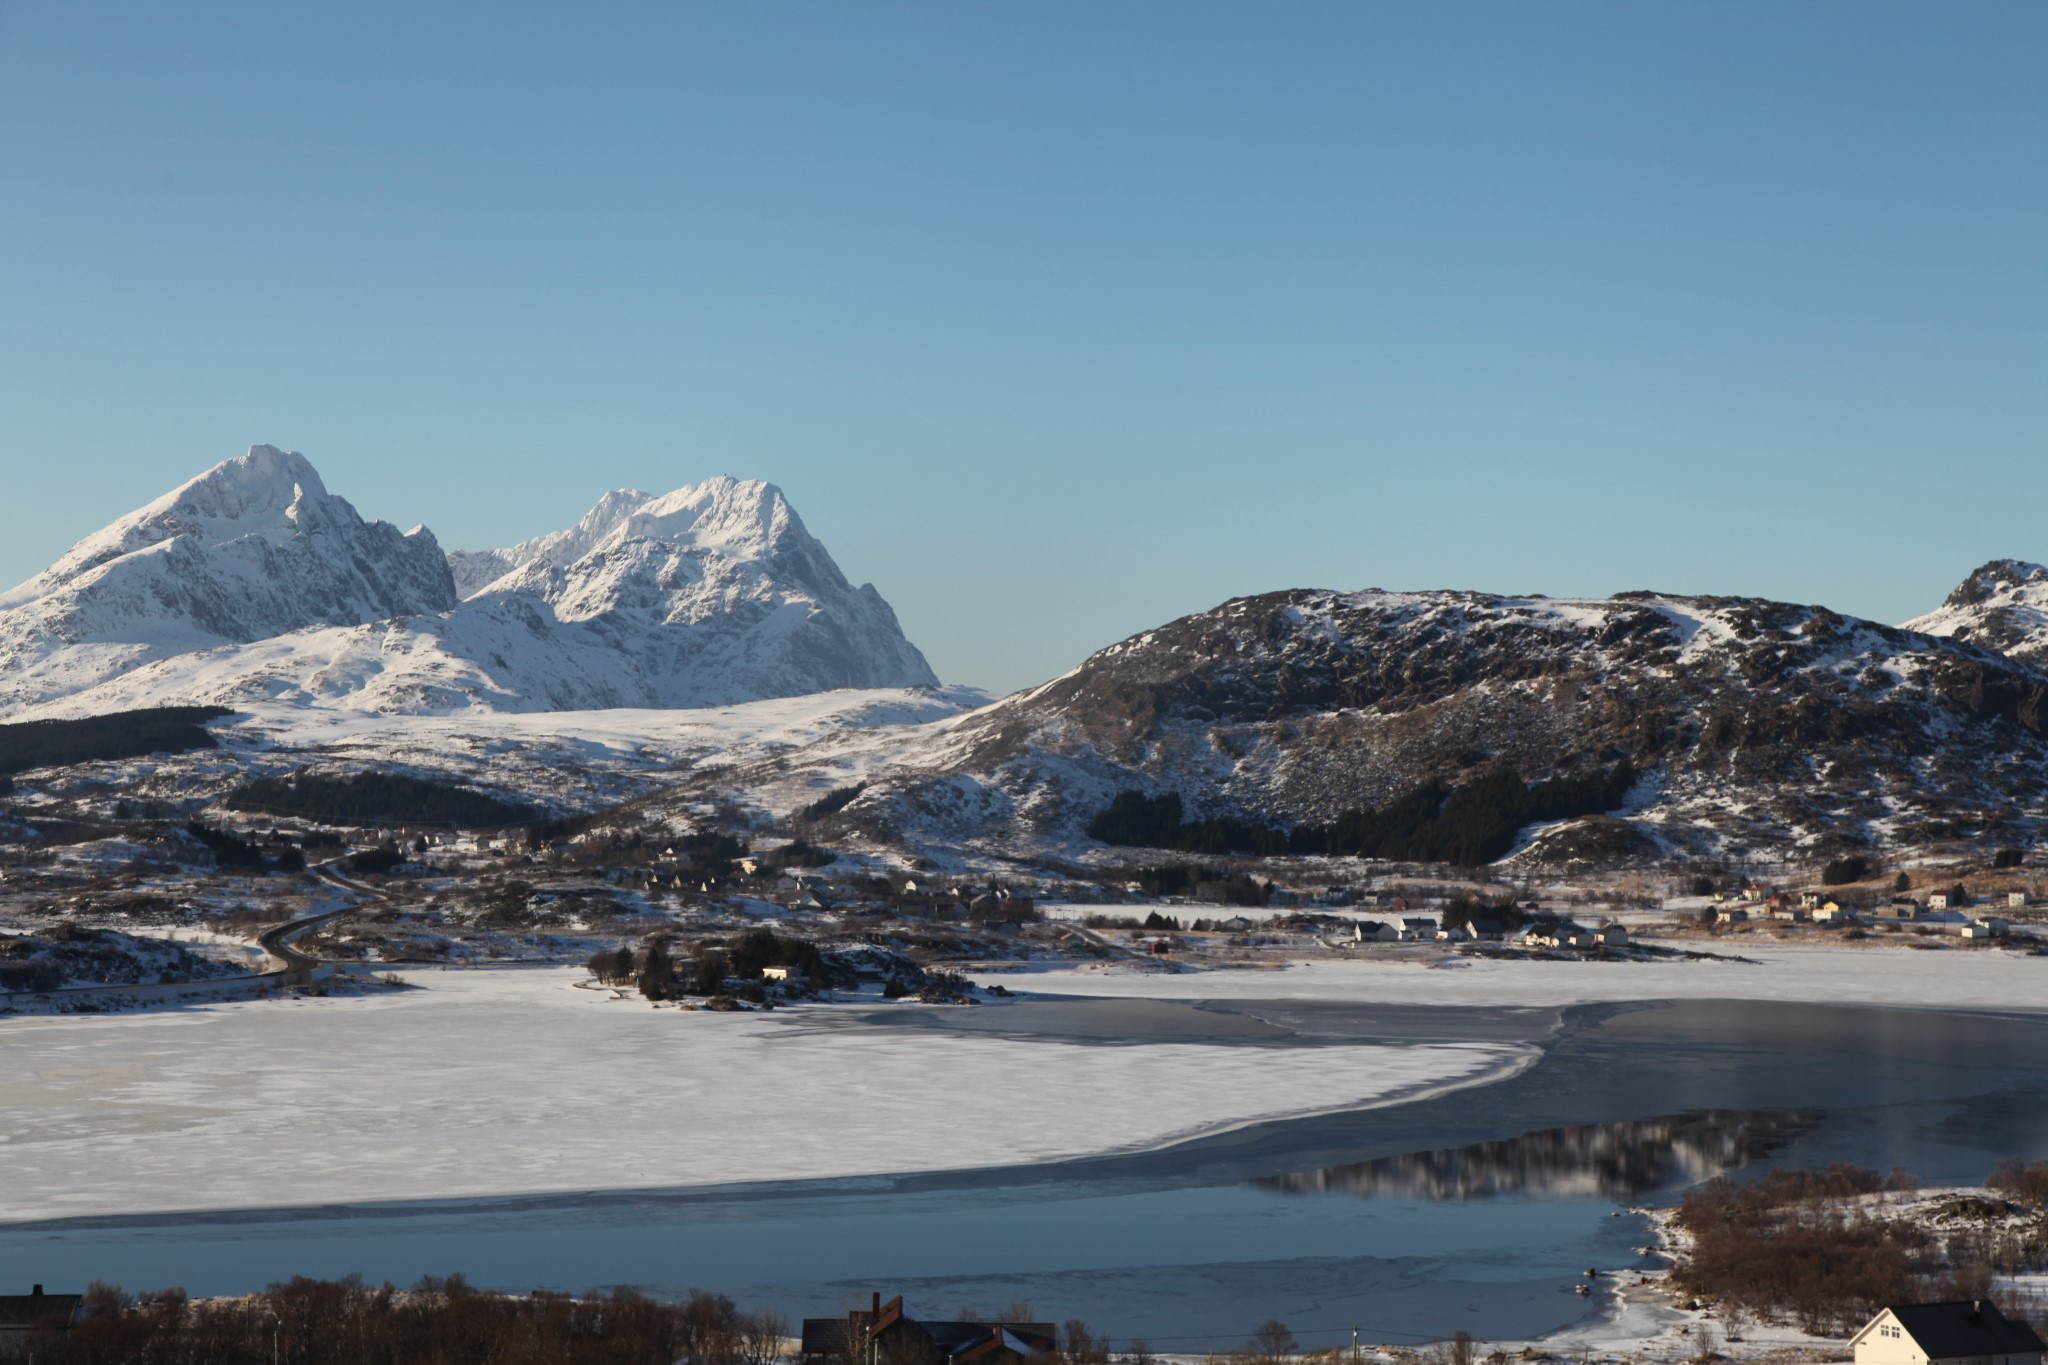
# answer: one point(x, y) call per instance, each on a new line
point(1884, 1342)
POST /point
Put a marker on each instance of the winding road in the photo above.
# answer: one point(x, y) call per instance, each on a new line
point(294, 968)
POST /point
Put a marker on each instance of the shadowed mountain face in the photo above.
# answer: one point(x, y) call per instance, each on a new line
point(252, 582)
point(1615, 1161)
point(1755, 723)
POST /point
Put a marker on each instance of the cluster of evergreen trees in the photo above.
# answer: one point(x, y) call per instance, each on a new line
point(1179, 879)
point(376, 798)
point(124, 734)
point(1135, 820)
point(1466, 826)
point(660, 976)
point(230, 850)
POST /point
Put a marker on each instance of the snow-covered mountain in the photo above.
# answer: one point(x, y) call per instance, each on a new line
point(2002, 606)
point(254, 583)
point(251, 549)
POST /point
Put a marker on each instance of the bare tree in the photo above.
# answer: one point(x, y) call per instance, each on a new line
point(762, 1336)
point(1273, 1340)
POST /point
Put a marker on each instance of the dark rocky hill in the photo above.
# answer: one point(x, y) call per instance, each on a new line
point(1754, 724)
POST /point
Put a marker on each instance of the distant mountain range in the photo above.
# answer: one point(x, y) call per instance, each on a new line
point(253, 582)
point(1746, 724)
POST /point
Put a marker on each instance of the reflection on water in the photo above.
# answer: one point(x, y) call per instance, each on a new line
point(1615, 1161)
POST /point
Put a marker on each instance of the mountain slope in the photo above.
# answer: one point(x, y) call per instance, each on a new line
point(253, 548)
point(2001, 606)
point(1756, 724)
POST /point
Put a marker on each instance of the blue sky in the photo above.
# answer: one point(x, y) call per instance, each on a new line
point(1057, 321)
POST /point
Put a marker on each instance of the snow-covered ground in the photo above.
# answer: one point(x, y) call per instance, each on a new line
point(1892, 975)
point(581, 758)
point(509, 1081)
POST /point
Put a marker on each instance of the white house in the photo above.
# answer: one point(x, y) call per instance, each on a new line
point(1374, 931)
point(1612, 935)
point(1964, 1332)
point(2015, 900)
point(1937, 900)
point(1417, 928)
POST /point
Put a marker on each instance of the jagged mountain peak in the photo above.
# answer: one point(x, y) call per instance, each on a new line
point(739, 520)
point(253, 548)
point(268, 492)
point(1999, 577)
point(2002, 605)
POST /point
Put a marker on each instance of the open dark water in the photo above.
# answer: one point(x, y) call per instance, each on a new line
point(1475, 1210)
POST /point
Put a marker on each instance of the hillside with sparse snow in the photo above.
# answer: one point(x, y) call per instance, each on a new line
point(1754, 725)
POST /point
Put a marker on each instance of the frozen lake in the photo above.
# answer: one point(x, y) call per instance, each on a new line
point(1473, 1207)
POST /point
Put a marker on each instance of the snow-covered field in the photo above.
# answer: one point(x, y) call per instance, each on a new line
point(510, 1081)
point(1952, 978)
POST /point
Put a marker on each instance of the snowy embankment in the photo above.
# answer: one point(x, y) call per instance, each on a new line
point(1952, 978)
point(498, 1082)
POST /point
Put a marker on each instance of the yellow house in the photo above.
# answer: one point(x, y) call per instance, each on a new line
point(1964, 1332)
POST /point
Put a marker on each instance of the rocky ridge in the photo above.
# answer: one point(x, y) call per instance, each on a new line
point(2001, 606)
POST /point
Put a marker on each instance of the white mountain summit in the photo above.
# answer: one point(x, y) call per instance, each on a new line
point(253, 548)
point(252, 582)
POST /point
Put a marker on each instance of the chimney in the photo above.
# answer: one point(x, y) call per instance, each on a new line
point(1977, 1311)
point(877, 1309)
point(36, 1293)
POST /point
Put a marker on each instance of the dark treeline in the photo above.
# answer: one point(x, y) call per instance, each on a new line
point(439, 1322)
point(124, 734)
point(1466, 826)
point(832, 802)
point(375, 798)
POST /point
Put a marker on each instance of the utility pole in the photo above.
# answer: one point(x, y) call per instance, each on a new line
point(1354, 1343)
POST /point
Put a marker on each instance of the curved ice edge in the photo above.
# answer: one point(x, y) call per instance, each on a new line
point(1520, 1057)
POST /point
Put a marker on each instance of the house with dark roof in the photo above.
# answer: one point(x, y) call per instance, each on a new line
point(21, 1315)
point(1964, 1332)
point(894, 1334)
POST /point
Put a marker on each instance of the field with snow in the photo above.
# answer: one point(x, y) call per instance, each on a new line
point(507, 1081)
